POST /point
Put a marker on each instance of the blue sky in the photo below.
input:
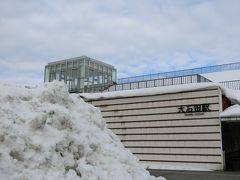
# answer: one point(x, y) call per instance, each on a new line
point(136, 36)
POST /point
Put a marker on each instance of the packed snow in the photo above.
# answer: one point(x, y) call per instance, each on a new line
point(149, 91)
point(233, 95)
point(232, 111)
point(46, 133)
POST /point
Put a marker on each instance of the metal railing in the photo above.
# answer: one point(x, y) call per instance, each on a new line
point(196, 78)
point(235, 84)
point(201, 70)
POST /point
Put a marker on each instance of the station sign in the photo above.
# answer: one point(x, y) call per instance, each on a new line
point(197, 109)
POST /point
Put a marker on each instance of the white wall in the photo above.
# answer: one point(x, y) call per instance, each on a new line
point(152, 128)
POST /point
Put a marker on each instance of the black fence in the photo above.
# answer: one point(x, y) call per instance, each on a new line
point(196, 78)
point(235, 84)
point(186, 72)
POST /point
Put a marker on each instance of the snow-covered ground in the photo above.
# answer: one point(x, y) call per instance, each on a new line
point(45, 133)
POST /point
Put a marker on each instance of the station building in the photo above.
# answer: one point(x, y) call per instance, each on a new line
point(171, 119)
point(174, 126)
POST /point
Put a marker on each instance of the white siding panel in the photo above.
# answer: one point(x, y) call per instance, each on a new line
point(173, 143)
point(164, 123)
point(189, 158)
point(152, 128)
point(161, 97)
point(161, 117)
point(168, 130)
point(160, 104)
point(171, 137)
point(203, 166)
point(177, 150)
point(213, 107)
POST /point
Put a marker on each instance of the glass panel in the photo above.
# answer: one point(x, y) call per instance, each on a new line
point(46, 75)
point(81, 63)
point(100, 79)
point(52, 76)
point(91, 64)
point(52, 68)
point(96, 66)
point(75, 64)
point(63, 66)
point(62, 77)
point(74, 78)
point(58, 66)
point(58, 76)
point(114, 75)
point(104, 69)
point(105, 78)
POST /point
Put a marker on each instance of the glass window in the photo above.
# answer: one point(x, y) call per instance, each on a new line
point(91, 64)
point(58, 76)
point(58, 66)
point(63, 66)
point(75, 64)
point(46, 75)
point(52, 68)
point(104, 69)
point(81, 63)
point(114, 75)
point(86, 62)
point(69, 65)
point(100, 79)
point(52, 76)
point(96, 66)
point(62, 77)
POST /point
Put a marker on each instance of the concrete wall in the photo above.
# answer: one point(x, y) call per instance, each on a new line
point(152, 128)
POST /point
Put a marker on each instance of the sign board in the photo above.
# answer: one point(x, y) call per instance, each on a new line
point(198, 109)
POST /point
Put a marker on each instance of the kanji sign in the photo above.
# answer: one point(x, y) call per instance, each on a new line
point(194, 108)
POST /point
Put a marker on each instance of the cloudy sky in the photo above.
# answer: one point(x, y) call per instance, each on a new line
point(136, 36)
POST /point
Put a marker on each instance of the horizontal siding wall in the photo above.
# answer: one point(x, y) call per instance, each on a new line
point(153, 130)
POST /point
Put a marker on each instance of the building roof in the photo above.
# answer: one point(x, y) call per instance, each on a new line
point(232, 95)
point(80, 58)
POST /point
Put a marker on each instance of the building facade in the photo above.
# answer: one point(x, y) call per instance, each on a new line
point(170, 127)
point(81, 74)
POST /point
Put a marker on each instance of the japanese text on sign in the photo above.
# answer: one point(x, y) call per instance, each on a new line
point(194, 108)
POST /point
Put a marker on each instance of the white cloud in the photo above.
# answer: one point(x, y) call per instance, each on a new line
point(138, 37)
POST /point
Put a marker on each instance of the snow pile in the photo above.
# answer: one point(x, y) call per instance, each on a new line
point(232, 111)
point(232, 95)
point(45, 133)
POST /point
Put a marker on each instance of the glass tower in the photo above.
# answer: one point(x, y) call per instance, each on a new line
point(81, 74)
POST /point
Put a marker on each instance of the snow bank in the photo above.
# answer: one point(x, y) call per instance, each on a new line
point(45, 133)
point(232, 111)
